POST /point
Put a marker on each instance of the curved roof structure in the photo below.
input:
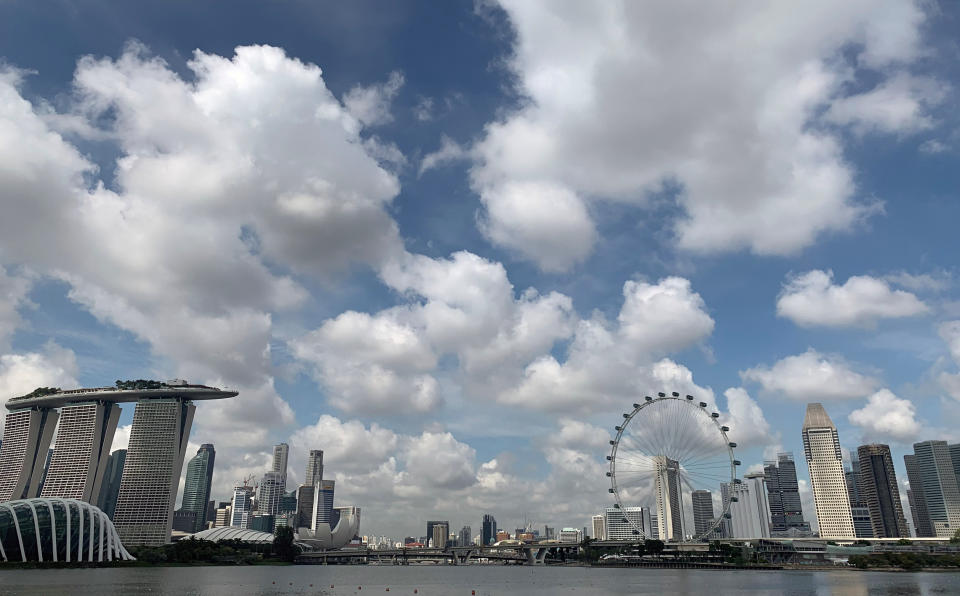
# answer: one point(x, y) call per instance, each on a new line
point(59, 530)
point(113, 394)
point(306, 539)
point(234, 533)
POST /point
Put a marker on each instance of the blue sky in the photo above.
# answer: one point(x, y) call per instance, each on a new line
point(449, 244)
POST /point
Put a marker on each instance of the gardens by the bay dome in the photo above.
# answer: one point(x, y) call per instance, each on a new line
point(57, 530)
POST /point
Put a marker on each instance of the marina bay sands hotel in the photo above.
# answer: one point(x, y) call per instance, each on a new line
point(85, 421)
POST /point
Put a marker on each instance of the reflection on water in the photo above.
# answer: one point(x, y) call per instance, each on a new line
point(478, 580)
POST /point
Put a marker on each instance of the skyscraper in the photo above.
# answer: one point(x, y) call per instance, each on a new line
point(84, 436)
point(305, 505)
point(26, 438)
point(466, 536)
point(488, 530)
point(280, 454)
point(439, 534)
point(151, 472)
point(241, 506)
point(821, 445)
point(702, 511)
point(922, 525)
point(622, 524)
point(955, 457)
point(430, 529)
point(154, 460)
point(196, 487)
point(749, 507)
point(668, 499)
point(862, 526)
point(323, 504)
point(939, 486)
point(110, 487)
point(783, 491)
point(878, 489)
point(314, 467)
point(599, 531)
point(271, 490)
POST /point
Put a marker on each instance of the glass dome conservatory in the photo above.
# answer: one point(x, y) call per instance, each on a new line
point(62, 530)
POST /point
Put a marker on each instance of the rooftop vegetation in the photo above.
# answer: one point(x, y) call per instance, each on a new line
point(140, 384)
point(40, 392)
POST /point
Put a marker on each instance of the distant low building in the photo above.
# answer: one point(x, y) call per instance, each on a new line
point(574, 535)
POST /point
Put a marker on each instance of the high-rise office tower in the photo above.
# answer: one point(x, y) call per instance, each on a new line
point(749, 507)
point(466, 536)
point(241, 506)
point(622, 524)
point(599, 530)
point(305, 505)
point(433, 524)
point(151, 472)
point(778, 520)
point(110, 487)
point(323, 504)
point(955, 457)
point(488, 530)
point(821, 445)
point(702, 511)
point(783, 491)
point(922, 525)
point(84, 436)
point(280, 454)
point(26, 439)
point(196, 487)
point(939, 486)
point(271, 490)
point(314, 467)
point(862, 526)
point(668, 499)
point(439, 534)
point(877, 486)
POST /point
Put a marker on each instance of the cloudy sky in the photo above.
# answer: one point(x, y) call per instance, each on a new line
point(450, 243)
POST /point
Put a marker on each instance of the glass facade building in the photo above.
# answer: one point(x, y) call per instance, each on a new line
point(196, 487)
point(59, 530)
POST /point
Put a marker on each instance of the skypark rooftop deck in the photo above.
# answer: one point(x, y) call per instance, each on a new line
point(171, 389)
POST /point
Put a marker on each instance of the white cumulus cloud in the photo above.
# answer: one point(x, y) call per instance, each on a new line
point(812, 299)
point(887, 417)
point(811, 376)
point(616, 107)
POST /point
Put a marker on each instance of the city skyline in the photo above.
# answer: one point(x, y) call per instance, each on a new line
point(438, 244)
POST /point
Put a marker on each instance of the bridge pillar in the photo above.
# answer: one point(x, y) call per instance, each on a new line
point(535, 556)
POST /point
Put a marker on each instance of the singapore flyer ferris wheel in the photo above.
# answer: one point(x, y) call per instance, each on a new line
point(668, 466)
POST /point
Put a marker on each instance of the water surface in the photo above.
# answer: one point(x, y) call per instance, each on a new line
point(477, 580)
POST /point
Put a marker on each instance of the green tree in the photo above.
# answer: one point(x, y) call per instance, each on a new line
point(956, 537)
point(283, 546)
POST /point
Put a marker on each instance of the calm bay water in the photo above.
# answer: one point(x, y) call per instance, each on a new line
point(478, 580)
